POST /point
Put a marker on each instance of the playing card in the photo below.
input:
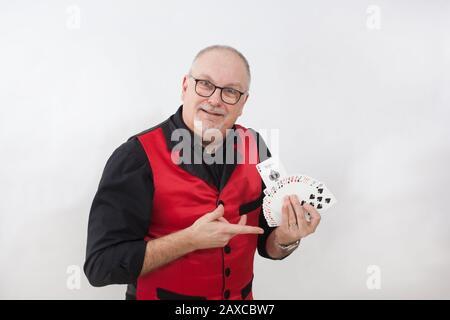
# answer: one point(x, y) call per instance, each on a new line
point(271, 171)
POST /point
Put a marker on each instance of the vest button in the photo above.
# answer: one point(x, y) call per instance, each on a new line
point(226, 294)
point(227, 249)
point(227, 272)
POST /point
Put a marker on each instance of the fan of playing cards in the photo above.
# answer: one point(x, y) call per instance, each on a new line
point(279, 185)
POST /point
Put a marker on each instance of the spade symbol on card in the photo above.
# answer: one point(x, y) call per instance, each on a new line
point(274, 175)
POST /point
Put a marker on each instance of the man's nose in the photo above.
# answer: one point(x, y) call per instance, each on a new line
point(215, 98)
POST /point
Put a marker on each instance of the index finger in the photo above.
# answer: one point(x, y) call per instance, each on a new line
point(240, 229)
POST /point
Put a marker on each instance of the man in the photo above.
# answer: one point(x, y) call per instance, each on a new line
point(180, 229)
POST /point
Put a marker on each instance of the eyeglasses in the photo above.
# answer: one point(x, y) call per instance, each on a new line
point(205, 88)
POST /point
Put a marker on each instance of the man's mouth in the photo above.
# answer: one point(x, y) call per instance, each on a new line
point(211, 113)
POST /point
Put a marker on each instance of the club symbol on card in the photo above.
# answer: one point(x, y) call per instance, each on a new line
point(274, 175)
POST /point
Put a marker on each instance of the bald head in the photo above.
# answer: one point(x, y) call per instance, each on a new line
point(225, 52)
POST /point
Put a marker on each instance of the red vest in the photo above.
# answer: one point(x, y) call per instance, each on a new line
point(179, 199)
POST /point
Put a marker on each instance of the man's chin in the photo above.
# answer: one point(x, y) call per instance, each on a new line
point(205, 126)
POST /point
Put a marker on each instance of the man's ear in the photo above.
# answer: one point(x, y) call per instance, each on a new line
point(184, 85)
point(245, 101)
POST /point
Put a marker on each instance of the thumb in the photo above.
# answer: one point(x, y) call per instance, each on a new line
point(243, 220)
point(216, 214)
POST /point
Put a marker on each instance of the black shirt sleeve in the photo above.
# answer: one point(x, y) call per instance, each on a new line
point(120, 217)
point(262, 238)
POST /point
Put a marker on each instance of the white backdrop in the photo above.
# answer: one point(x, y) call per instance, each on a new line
point(359, 90)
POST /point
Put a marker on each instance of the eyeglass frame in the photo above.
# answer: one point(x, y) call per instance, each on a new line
point(215, 88)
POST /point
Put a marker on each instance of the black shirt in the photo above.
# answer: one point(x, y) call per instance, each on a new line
point(120, 214)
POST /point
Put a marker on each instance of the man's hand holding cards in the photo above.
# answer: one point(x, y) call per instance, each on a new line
point(313, 196)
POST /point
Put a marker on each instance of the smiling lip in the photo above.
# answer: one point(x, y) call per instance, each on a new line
point(211, 113)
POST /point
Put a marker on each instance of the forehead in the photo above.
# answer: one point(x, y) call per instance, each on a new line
point(223, 67)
